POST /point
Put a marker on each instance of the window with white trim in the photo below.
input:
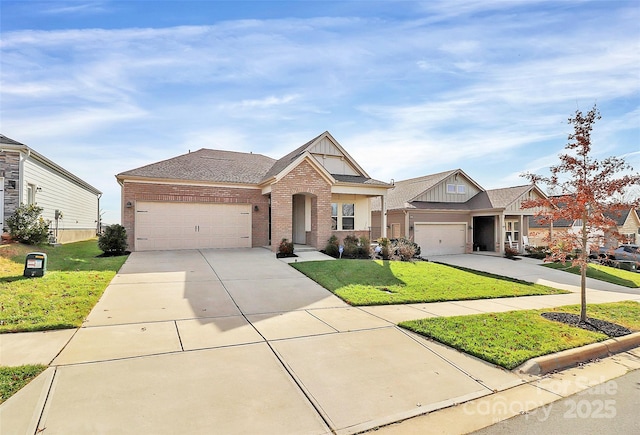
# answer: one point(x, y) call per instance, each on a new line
point(348, 216)
point(334, 216)
point(31, 194)
point(456, 189)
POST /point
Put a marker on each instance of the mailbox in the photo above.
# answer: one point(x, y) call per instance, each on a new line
point(35, 264)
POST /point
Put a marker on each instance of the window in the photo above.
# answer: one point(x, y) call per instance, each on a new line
point(456, 189)
point(513, 230)
point(334, 216)
point(31, 194)
point(348, 220)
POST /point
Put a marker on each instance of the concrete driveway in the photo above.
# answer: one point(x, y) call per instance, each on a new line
point(236, 341)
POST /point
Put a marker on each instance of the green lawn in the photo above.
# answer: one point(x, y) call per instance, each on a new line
point(76, 278)
point(14, 378)
point(365, 282)
point(511, 338)
point(603, 273)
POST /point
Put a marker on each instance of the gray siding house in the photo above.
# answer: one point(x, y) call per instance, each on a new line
point(69, 203)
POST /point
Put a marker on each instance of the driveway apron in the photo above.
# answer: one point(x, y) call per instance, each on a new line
point(236, 341)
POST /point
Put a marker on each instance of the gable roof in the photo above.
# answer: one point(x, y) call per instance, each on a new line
point(14, 145)
point(285, 161)
point(405, 192)
point(503, 198)
point(242, 168)
point(207, 165)
point(620, 216)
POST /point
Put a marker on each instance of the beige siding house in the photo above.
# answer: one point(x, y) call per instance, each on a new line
point(449, 213)
point(224, 199)
point(69, 203)
point(627, 224)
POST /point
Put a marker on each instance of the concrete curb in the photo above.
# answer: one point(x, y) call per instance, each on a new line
point(571, 357)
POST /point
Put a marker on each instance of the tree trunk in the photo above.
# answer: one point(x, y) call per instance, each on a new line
point(584, 256)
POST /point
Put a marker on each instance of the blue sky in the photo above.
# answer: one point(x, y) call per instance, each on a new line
point(408, 88)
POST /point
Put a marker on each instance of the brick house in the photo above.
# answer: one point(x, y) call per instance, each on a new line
point(225, 199)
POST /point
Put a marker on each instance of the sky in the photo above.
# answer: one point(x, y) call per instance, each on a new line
point(408, 88)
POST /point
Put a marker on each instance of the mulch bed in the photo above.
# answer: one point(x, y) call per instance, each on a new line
point(595, 325)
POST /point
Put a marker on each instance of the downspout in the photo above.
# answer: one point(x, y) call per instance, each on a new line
point(407, 227)
point(23, 158)
point(98, 223)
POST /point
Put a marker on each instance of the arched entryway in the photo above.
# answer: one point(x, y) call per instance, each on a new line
point(304, 219)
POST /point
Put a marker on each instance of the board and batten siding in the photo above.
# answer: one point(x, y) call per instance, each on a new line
point(79, 206)
point(516, 206)
point(331, 158)
point(438, 193)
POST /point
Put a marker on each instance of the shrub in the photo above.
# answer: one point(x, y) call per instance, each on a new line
point(113, 240)
point(285, 249)
point(332, 247)
point(405, 249)
point(26, 225)
point(350, 246)
point(510, 252)
point(364, 247)
point(538, 252)
point(385, 245)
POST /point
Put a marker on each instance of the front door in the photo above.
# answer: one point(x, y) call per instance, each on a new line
point(299, 233)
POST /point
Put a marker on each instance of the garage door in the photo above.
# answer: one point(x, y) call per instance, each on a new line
point(170, 225)
point(440, 239)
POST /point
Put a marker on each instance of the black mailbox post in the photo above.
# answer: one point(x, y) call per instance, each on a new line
point(35, 264)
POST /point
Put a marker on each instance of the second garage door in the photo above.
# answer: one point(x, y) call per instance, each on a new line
point(440, 239)
point(170, 225)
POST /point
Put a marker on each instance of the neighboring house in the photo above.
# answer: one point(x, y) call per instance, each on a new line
point(627, 224)
point(225, 199)
point(449, 213)
point(27, 177)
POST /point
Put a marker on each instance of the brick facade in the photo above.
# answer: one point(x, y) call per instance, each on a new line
point(303, 179)
point(132, 192)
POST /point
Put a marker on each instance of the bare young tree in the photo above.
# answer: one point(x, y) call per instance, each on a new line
point(590, 191)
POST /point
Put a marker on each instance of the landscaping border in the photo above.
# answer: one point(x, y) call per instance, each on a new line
point(567, 358)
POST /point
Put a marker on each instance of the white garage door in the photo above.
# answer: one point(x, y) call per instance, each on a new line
point(440, 239)
point(170, 225)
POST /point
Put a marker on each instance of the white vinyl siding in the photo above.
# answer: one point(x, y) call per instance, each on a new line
point(56, 192)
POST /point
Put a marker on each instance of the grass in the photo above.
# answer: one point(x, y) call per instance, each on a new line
point(364, 282)
point(603, 273)
point(511, 338)
point(75, 279)
point(14, 378)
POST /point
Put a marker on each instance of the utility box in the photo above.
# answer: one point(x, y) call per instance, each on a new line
point(35, 264)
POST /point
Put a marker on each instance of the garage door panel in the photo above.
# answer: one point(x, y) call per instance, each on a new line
point(440, 239)
point(166, 225)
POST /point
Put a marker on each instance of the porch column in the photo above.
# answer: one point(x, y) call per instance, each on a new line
point(383, 216)
point(501, 231)
point(521, 241)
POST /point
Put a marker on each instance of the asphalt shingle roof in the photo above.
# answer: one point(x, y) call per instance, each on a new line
point(406, 190)
point(285, 161)
point(209, 165)
point(230, 167)
point(8, 140)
